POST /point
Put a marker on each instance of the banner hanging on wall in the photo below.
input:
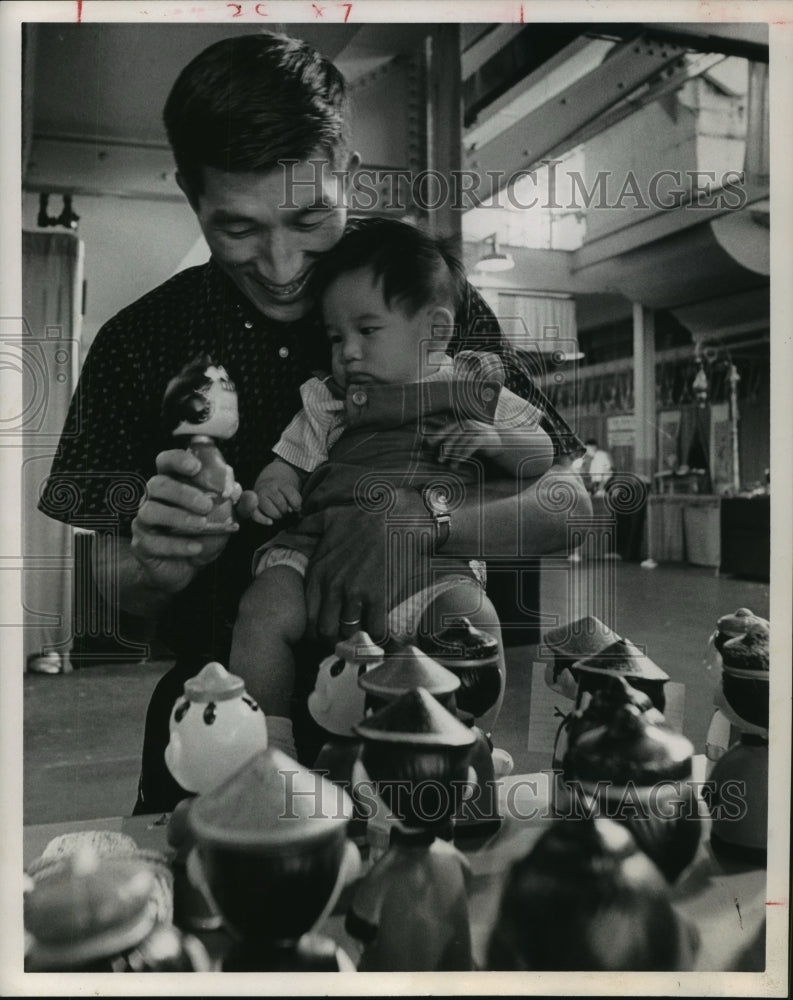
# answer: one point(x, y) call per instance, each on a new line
point(668, 439)
point(720, 447)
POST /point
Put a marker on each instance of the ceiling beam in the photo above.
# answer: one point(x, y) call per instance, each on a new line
point(560, 119)
point(747, 40)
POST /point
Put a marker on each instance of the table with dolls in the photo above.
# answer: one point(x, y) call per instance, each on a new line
point(410, 847)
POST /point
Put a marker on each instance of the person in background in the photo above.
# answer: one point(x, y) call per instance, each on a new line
point(258, 127)
point(595, 467)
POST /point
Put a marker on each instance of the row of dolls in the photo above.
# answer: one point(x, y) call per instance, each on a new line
point(617, 722)
point(272, 830)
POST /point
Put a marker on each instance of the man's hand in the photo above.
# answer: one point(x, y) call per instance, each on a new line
point(169, 541)
point(351, 582)
point(460, 439)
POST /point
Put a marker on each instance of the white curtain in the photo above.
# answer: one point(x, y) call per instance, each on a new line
point(49, 348)
point(757, 157)
point(531, 320)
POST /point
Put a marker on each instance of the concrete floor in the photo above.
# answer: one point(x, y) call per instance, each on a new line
point(83, 730)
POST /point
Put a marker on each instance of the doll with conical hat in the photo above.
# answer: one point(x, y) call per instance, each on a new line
point(740, 827)
point(273, 849)
point(411, 911)
point(570, 643)
point(472, 655)
point(586, 899)
point(403, 670)
point(620, 659)
point(409, 668)
point(215, 727)
point(637, 771)
point(199, 409)
point(614, 693)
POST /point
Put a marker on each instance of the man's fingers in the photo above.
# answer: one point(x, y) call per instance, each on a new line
point(351, 616)
point(330, 610)
point(176, 494)
point(152, 514)
point(178, 462)
point(375, 618)
point(150, 545)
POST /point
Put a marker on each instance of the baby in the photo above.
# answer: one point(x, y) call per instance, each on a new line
point(397, 410)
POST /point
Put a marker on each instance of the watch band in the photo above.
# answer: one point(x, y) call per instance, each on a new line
point(436, 500)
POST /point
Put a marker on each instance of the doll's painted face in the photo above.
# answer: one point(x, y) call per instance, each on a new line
point(213, 731)
point(202, 399)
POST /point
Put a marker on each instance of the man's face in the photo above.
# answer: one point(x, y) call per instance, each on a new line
point(266, 230)
point(372, 342)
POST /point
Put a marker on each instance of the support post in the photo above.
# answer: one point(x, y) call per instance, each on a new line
point(444, 127)
point(644, 390)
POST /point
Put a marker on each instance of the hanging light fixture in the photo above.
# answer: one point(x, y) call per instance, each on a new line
point(494, 259)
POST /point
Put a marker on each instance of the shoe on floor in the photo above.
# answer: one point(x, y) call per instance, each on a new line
point(45, 663)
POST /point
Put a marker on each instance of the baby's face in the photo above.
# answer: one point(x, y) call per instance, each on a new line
point(372, 342)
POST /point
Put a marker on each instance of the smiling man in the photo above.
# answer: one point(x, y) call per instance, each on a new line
point(257, 124)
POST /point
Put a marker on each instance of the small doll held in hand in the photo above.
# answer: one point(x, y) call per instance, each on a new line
point(200, 408)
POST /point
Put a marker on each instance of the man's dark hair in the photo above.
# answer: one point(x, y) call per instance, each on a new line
point(590, 441)
point(416, 269)
point(247, 102)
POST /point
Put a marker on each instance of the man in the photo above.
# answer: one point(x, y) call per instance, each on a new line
point(257, 125)
point(595, 467)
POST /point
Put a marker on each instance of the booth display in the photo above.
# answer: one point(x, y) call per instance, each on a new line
point(290, 884)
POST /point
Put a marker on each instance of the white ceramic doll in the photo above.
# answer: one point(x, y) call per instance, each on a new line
point(337, 701)
point(215, 728)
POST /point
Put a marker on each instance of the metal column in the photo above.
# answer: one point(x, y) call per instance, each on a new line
point(444, 124)
point(644, 390)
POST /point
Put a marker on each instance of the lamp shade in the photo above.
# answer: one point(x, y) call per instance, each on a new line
point(495, 260)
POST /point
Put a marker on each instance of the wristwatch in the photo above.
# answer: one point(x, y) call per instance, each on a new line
point(436, 500)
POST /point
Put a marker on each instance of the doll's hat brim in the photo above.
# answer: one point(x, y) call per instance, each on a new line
point(405, 670)
point(270, 803)
point(622, 659)
point(582, 638)
point(416, 719)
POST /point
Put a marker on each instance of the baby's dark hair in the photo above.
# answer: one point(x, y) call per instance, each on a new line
point(416, 269)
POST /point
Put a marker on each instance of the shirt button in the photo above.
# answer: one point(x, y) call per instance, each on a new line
point(359, 398)
point(248, 324)
point(283, 352)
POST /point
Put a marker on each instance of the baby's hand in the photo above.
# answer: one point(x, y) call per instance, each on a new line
point(276, 493)
point(276, 498)
point(460, 439)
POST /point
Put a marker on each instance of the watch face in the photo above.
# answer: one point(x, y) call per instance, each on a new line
point(437, 499)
